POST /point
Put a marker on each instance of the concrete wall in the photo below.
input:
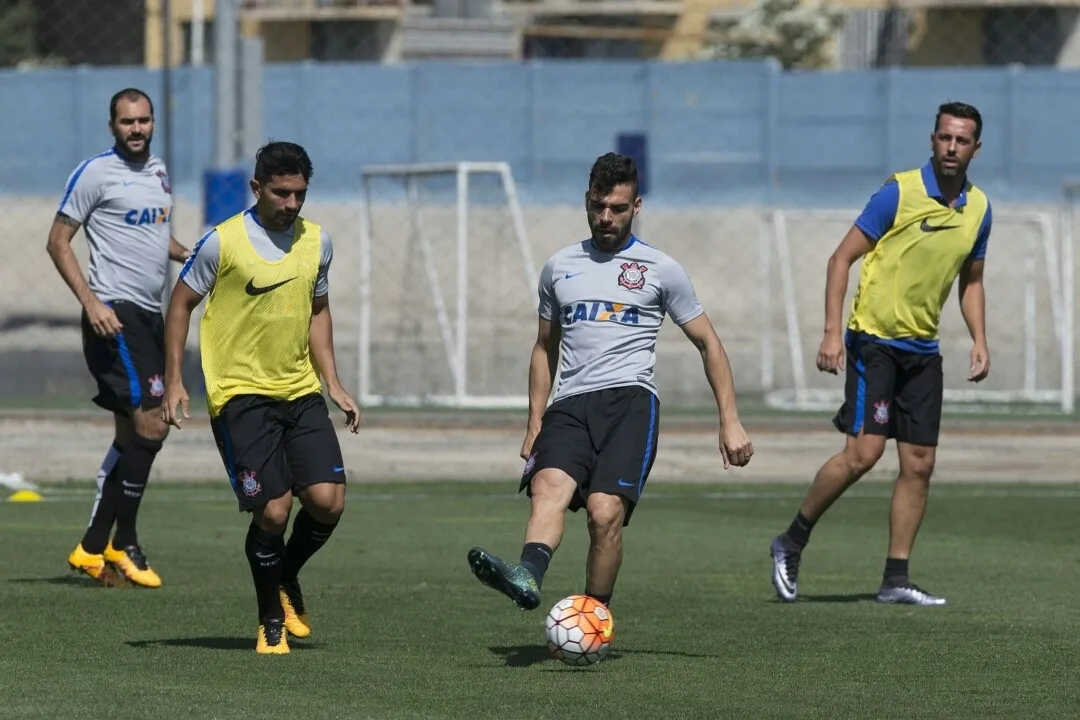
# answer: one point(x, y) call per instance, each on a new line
point(719, 133)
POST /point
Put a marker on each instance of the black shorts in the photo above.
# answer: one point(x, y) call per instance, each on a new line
point(605, 440)
point(891, 392)
point(130, 368)
point(272, 446)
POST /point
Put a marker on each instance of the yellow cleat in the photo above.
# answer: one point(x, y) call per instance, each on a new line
point(131, 563)
point(86, 563)
point(273, 640)
point(297, 620)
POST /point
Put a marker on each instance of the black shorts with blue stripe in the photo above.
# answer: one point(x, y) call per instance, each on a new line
point(129, 369)
point(271, 446)
point(605, 440)
point(891, 391)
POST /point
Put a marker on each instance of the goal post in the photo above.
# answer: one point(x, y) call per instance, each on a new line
point(446, 276)
point(1030, 290)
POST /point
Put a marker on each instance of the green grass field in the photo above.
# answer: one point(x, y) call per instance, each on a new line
point(402, 629)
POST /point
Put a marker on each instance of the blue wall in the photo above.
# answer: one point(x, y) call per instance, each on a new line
point(718, 132)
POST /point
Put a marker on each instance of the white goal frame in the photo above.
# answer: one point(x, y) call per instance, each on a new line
point(453, 331)
point(1058, 275)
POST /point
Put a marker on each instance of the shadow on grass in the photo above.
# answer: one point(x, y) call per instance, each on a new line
point(852, 598)
point(528, 655)
point(69, 580)
point(213, 643)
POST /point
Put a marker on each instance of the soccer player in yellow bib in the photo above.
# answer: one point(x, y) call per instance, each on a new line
point(265, 337)
point(919, 231)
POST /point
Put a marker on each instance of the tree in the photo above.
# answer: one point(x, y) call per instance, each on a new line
point(797, 34)
point(17, 31)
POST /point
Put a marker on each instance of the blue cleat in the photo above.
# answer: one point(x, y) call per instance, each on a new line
point(511, 579)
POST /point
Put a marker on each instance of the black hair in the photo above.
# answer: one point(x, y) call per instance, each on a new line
point(132, 94)
point(962, 111)
point(612, 169)
point(282, 158)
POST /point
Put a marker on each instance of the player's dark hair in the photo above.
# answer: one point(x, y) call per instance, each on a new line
point(131, 94)
point(962, 111)
point(612, 169)
point(282, 158)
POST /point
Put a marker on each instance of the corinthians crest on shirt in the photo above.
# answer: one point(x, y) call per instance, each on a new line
point(632, 276)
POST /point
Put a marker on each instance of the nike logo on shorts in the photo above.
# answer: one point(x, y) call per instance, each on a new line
point(623, 483)
point(254, 291)
point(339, 468)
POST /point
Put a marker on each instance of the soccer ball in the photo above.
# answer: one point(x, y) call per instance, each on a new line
point(580, 630)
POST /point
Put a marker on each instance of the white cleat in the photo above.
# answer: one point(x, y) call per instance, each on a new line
point(909, 594)
point(785, 576)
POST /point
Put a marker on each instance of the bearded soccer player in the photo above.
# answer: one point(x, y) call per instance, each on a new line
point(265, 336)
point(123, 200)
point(918, 232)
point(601, 304)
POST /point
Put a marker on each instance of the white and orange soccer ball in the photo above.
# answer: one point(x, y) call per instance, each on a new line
point(580, 630)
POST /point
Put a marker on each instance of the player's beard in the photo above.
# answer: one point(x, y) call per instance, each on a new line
point(611, 243)
point(144, 152)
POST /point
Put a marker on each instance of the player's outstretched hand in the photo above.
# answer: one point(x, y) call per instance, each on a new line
point(980, 363)
point(830, 355)
point(103, 319)
point(175, 397)
point(735, 445)
point(348, 406)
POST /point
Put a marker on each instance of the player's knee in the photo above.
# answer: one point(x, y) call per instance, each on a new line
point(274, 516)
point(917, 462)
point(606, 513)
point(864, 452)
point(149, 425)
point(552, 487)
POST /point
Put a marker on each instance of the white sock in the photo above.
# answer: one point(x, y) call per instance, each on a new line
point(107, 466)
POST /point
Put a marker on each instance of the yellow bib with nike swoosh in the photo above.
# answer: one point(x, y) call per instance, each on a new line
point(906, 277)
point(254, 333)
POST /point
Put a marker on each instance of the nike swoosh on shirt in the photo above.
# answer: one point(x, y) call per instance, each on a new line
point(927, 227)
point(253, 291)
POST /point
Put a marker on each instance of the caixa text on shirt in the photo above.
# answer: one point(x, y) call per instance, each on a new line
point(148, 216)
point(600, 312)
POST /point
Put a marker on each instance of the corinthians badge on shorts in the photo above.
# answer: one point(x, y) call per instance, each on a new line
point(632, 276)
point(248, 484)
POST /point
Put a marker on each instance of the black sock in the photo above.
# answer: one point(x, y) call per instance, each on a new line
point(133, 472)
point(536, 557)
point(896, 572)
point(265, 553)
point(103, 515)
point(606, 599)
point(799, 530)
point(308, 535)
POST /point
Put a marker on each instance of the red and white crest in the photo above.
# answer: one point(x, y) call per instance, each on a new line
point(164, 178)
point(248, 484)
point(157, 386)
point(632, 276)
point(881, 412)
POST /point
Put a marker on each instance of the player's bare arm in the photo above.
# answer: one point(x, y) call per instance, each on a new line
point(177, 252)
point(830, 357)
point(321, 340)
point(735, 445)
point(183, 302)
point(973, 308)
point(102, 318)
point(543, 364)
